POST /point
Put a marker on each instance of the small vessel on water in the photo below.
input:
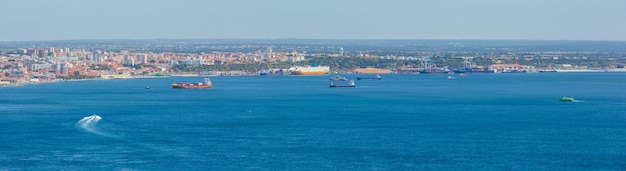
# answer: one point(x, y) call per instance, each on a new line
point(147, 86)
point(450, 77)
point(206, 84)
point(338, 78)
point(351, 84)
point(94, 116)
point(544, 71)
point(566, 99)
point(370, 78)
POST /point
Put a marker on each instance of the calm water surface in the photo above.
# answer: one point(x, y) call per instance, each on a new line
point(402, 122)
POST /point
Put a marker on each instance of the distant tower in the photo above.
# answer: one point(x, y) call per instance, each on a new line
point(57, 68)
point(269, 50)
point(141, 59)
point(340, 51)
point(96, 57)
point(129, 60)
point(42, 53)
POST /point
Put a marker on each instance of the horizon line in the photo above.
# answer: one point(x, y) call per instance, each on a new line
point(352, 39)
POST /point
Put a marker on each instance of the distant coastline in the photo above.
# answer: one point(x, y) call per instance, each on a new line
point(32, 62)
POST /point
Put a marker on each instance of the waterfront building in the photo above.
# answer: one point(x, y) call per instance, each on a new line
point(340, 51)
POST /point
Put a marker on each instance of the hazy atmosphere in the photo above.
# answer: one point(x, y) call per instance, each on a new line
point(313, 85)
point(313, 19)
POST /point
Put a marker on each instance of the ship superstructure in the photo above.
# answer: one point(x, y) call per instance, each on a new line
point(308, 70)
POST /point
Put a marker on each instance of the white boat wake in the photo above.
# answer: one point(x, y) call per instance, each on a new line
point(89, 124)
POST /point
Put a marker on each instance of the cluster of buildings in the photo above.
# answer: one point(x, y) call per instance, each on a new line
point(517, 63)
point(53, 64)
point(32, 65)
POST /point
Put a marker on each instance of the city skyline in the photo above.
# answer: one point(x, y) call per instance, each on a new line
point(34, 20)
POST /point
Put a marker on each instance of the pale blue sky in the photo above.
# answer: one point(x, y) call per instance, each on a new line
point(313, 19)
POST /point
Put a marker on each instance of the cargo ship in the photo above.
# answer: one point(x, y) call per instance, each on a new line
point(206, 84)
point(351, 84)
point(370, 78)
point(316, 70)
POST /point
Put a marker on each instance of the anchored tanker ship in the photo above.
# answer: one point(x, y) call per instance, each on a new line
point(317, 70)
point(206, 84)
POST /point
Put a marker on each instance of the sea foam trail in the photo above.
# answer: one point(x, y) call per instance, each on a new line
point(89, 124)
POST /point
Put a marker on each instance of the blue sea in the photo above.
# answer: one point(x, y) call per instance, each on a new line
point(402, 122)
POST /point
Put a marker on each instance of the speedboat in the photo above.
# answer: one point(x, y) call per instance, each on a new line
point(566, 99)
